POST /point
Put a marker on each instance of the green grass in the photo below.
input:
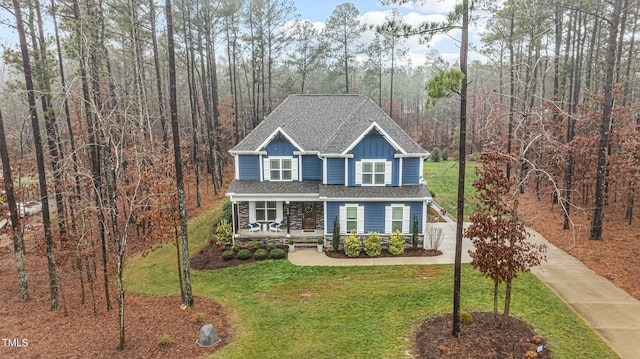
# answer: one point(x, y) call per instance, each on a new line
point(283, 311)
point(442, 178)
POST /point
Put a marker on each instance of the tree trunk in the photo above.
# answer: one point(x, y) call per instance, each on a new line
point(603, 143)
point(156, 61)
point(16, 230)
point(33, 113)
point(182, 211)
point(464, 45)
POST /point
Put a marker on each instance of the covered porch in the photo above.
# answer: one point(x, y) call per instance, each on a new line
point(294, 205)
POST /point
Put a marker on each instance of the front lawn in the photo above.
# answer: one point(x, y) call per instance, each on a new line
point(283, 311)
point(442, 179)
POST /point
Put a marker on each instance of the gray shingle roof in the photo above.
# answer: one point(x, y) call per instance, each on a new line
point(326, 123)
point(257, 187)
point(329, 192)
point(334, 192)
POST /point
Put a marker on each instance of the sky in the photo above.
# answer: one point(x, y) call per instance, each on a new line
point(372, 13)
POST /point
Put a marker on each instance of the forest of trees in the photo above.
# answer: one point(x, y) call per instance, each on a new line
point(559, 90)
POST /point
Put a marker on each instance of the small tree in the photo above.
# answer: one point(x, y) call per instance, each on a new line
point(435, 154)
point(336, 234)
point(445, 154)
point(414, 233)
point(498, 234)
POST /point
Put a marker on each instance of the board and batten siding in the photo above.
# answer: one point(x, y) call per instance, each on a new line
point(248, 167)
point(374, 147)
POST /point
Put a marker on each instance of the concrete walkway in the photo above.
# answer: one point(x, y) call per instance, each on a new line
point(610, 311)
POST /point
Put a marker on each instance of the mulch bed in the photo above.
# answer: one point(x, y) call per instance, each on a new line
point(420, 252)
point(210, 257)
point(480, 339)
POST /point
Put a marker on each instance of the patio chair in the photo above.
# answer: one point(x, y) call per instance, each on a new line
point(254, 227)
point(275, 226)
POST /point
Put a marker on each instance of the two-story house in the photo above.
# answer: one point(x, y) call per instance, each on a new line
point(320, 157)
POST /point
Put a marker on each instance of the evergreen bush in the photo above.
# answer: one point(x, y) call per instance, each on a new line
point(396, 243)
point(336, 234)
point(228, 255)
point(414, 233)
point(373, 244)
point(352, 245)
point(244, 254)
point(277, 253)
point(435, 154)
point(260, 254)
point(224, 232)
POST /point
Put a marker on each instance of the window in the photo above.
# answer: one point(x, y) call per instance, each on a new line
point(265, 211)
point(396, 218)
point(373, 172)
point(352, 219)
point(280, 169)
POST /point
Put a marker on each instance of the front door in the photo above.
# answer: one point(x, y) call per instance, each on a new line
point(308, 216)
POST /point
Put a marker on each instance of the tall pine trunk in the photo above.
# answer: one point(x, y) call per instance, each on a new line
point(605, 125)
point(37, 142)
point(182, 211)
point(18, 243)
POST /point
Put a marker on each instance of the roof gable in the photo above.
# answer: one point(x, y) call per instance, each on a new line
point(326, 124)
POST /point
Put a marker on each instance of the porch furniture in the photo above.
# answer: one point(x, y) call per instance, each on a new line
point(254, 227)
point(275, 226)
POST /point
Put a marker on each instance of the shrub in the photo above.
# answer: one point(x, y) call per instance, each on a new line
point(435, 237)
point(277, 253)
point(352, 245)
point(466, 318)
point(244, 254)
point(536, 339)
point(396, 243)
point(224, 232)
point(530, 355)
point(373, 244)
point(238, 246)
point(320, 241)
point(226, 214)
point(227, 255)
point(270, 247)
point(336, 234)
point(414, 233)
point(254, 245)
point(445, 154)
point(165, 340)
point(260, 254)
point(435, 154)
point(198, 318)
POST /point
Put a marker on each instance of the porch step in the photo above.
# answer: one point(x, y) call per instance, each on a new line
point(304, 242)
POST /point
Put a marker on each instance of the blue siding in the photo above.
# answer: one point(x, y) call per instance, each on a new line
point(248, 167)
point(280, 146)
point(374, 146)
point(374, 213)
point(311, 168)
point(411, 170)
point(335, 170)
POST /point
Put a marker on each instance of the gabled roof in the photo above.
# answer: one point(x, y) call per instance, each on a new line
point(327, 124)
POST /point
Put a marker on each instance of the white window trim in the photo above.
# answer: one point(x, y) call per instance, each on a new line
point(253, 209)
point(387, 172)
point(359, 218)
point(266, 164)
point(406, 218)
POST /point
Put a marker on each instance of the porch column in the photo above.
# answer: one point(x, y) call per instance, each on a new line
point(288, 218)
point(234, 213)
